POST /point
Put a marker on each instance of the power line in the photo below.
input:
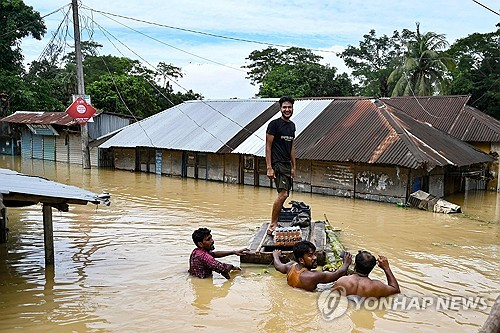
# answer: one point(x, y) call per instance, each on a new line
point(106, 33)
point(159, 41)
point(204, 33)
point(491, 10)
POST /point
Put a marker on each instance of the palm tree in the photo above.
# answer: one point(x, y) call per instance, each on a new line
point(424, 66)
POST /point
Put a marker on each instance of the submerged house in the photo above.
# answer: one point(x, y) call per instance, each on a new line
point(452, 115)
point(352, 147)
point(55, 136)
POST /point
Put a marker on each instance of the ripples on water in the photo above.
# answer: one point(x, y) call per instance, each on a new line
point(123, 268)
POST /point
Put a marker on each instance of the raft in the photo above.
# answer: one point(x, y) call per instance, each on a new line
point(320, 233)
point(263, 245)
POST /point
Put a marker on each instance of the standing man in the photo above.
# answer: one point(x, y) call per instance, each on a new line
point(202, 260)
point(280, 156)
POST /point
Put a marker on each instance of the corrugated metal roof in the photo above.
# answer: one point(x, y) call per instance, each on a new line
point(451, 115)
point(48, 118)
point(340, 130)
point(38, 189)
point(360, 131)
point(204, 126)
point(304, 111)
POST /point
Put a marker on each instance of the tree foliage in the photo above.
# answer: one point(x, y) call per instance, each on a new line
point(295, 72)
point(264, 61)
point(478, 70)
point(424, 66)
point(16, 22)
point(373, 61)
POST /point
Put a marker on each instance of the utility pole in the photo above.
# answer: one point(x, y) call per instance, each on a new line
point(80, 83)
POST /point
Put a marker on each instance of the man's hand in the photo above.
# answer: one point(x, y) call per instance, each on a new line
point(270, 173)
point(347, 259)
point(293, 173)
point(242, 252)
point(235, 268)
point(383, 263)
point(277, 253)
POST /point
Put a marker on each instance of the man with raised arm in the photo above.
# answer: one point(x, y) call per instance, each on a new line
point(302, 274)
point(360, 284)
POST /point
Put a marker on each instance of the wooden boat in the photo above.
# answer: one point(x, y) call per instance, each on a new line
point(320, 233)
point(263, 245)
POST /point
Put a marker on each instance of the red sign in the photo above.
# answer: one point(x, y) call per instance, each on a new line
point(80, 110)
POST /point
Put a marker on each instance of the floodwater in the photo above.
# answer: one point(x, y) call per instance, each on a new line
point(123, 268)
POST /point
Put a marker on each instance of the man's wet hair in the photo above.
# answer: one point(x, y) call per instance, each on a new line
point(365, 262)
point(200, 234)
point(286, 99)
point(301, 248)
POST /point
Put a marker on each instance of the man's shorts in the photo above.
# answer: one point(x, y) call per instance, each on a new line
point(283, 173)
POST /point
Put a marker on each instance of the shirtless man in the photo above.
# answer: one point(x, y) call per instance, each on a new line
point(301, 274)
point(360, 284)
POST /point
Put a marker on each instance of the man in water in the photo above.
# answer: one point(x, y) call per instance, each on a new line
point(202, 261)
point(360, 284)
point(280, 156)
point(301, 274)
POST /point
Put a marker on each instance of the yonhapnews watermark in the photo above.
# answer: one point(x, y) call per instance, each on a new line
point(334, 303)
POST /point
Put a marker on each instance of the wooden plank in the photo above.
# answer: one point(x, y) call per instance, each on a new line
point(48, 234)
point(318, 236)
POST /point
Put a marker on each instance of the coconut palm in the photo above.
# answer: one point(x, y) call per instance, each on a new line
point(424, 66)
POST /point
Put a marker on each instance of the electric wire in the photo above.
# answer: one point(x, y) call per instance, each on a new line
point(180, 86)
point(204, 33)
point(174, 47)
point(491, 10)
point(105, 32)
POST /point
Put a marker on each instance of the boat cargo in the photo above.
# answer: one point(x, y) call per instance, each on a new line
point(295, 225)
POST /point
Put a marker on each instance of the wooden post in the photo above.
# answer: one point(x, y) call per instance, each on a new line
point(48, 235)
point(3, 221)
point(3, 225)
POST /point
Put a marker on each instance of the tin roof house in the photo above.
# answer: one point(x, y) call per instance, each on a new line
point(353, 147)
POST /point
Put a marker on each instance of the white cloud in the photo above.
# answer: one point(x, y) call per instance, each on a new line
point(328, 25)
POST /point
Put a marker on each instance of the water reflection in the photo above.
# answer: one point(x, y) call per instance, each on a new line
point(123, 268)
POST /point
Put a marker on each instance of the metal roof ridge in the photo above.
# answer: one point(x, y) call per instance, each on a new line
point(401, 132)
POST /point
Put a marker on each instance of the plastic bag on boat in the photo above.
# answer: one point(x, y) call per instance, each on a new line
point(302, 220)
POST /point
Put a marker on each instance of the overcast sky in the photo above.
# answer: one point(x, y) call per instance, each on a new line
point(212, 66)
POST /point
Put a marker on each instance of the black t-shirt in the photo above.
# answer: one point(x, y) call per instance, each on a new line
point(284, 134)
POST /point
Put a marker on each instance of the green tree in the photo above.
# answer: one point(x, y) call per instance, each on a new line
point(264, 61)
point(424, 66)
point(305, 80)
point(295, 72)
point(17, 21)
point(478, 70)
point(373, 61)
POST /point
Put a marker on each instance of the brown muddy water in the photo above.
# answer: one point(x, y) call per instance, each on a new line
point(123, 268)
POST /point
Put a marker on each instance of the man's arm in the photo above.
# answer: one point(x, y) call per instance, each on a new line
point(327, 277)
point(220, 254)
point(278, 265)
point(392, 286)
point(269, 144)
point(218, 266)
point(292, 157)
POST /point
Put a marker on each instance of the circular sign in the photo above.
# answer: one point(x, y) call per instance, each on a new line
point(81, 108)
